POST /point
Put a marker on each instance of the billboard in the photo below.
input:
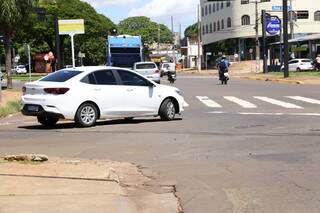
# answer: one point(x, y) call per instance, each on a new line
point(72, 26)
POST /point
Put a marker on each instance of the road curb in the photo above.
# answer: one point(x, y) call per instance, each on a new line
point(272, 80)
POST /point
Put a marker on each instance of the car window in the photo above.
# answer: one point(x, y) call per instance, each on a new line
point(306, 60)
point(89, 79)
point(105, 77)
point(132, 79)
point(145, 66)
point(61, 76)
point(293, 62)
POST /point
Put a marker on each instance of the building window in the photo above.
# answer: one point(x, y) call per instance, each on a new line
point(229, 22)
point(202, 11)
point(221, 5)
point(244, 1)
point(214, 27)
point(265, 1)
point(228, 3)
point(245, 20)
point(218, 25)
point(210, 28)
point(317, 16)
point(203, 30)
point(217, 6)
point(303, 14)
point(207, 29)
point(209, 8)
point(213, 8)
point(222, 24)
point(206, 10)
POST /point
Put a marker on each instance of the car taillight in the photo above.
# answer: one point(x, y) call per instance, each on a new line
point(157, 71)
point(56, 91)
point(24, 90)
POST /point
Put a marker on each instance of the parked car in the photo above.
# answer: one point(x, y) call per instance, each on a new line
point(1, 76)
point(300, 64)
point(167, 67)
point(20, 69)
point(148, 69)
point(85, 94)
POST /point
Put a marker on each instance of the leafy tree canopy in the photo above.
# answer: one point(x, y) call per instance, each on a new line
point(147, 29)
point(191, 31)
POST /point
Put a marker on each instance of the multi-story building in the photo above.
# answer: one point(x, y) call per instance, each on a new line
point(236, 19)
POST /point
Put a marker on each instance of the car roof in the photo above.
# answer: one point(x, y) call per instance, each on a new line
point(92, 68)
point(147, 62)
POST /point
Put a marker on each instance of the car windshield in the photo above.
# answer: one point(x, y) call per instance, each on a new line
point(21, 66)
point(61, 76)
point(145, 66)
point(306, 60)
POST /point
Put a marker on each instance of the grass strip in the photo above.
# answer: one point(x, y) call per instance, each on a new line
point(10, 108)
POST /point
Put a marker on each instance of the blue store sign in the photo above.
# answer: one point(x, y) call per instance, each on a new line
point(273, 25)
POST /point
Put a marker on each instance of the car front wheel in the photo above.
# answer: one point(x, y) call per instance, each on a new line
point(47, 121)
point(167, 110)
point(87, 115)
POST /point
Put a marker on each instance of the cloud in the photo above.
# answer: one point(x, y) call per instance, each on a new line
point(159, 8)
point(105, 3)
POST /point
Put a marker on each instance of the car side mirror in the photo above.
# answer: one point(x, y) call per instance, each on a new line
point(150, 84)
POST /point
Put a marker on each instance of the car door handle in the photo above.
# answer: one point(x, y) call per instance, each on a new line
point(129, 90)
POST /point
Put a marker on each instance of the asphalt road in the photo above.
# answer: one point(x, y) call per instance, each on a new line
point(261, 155)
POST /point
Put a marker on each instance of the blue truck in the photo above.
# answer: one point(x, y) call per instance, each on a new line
point(124, 50)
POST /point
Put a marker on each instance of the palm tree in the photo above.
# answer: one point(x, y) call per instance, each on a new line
point(12, 13)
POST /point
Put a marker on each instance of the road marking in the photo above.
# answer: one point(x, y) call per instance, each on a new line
point(267, 113)
point(208, 102)
point(279, 103)
point(243, 103)
point(308, 100)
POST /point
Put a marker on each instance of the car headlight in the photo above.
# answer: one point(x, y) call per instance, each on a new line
point(179, 92)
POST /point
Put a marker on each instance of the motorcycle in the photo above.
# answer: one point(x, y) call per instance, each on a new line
point(224, 78)
point(172, 77)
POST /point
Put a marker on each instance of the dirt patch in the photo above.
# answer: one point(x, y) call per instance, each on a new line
point(8, 96)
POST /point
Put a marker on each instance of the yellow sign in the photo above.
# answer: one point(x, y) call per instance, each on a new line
point(72, 26)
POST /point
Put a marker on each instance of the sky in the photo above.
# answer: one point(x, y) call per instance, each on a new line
point(184, 12)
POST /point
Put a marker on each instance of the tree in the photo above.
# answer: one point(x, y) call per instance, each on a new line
point(12, 14)
point(147, 29)
point(191, 31)
point(41, 34)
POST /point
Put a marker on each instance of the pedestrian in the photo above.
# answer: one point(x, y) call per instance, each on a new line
point(223, 66)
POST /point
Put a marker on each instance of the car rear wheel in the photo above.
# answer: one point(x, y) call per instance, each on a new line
point(47, 121)
point(167, 110)
point(298, 69)
point(87, 115)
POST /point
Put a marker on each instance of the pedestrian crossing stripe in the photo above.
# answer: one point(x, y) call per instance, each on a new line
point(304, 99)
point(241, 102)
point(277, 102)
point(246, 104)
point(208, 102)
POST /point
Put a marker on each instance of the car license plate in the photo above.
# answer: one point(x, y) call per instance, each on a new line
point(33, 108)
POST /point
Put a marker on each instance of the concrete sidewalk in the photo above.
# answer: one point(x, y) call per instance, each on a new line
point(82, 186)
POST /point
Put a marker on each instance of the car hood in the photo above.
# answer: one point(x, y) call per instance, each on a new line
point(166, 87)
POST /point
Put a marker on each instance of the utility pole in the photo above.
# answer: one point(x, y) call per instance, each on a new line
point(57, 42)
point(285, 38)
point(257, 38)
point(264, 38)
point(158, 38)
point(174, 38)
point(199, 40)
point(291, 21)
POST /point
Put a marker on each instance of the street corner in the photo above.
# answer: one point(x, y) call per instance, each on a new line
point(80, 185)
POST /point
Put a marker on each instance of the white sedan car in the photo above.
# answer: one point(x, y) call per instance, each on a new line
point(85, 94)
point(300, 64)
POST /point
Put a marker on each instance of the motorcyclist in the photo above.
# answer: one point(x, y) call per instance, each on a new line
point(223, 66)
